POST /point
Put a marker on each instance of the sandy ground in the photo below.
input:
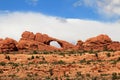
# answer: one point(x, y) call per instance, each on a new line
point(77, 66)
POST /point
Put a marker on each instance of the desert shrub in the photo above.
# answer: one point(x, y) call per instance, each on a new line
point(78, 74)
point(29, 75)
point(108, 54)
point(30, 63)
point(89, 61)
point(7, 57)
point(43, 58)
point(45, 52)
point(1, 71)
point(118, 59)
point(113, 61)
point(35, 52)
point(82, 61)
point(73, 62)
point(12, 75)
point(114, 76)
point(43, 62)
point(56, 78)
point(88, 75)
point(62, 54)
point(28, 58)
point(59, 62)
point(91, 51)
point(51, 72)
point(37, 57)
point(67, 78)
point(72, 52)
point(14, 64)
point(94, 78)
point(96, 54)
point(2, 63)
point(104, 74)
point(47, 78)
point(32, 57)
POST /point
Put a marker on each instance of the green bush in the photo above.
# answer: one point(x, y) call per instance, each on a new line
point(108, 54)
point(7, 57)
point(51, 72)
point(32, 57)
point(59, 62)
point(96, 54)
point(114, 76)
point(82, 61)
point(2, 63)
point(43, 62)
point(1, 71)
point(35, 52)
point(14, 64)
point(37, 57)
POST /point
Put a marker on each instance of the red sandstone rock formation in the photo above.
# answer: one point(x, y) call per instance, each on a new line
point(38, 41)
point(99, 39)
point(99, 43)
point(114, 46)
point(79, 45)
point(8, 45)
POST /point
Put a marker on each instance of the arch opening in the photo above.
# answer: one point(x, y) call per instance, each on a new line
point(55, 44)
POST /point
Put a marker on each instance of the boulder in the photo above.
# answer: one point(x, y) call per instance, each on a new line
point(99, 39)
point(28, 36)
point(8, 45)
point(98, 43)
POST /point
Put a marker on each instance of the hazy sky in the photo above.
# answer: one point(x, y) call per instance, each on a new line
point(69, 20)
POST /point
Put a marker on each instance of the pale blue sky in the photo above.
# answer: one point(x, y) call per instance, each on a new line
point(69, 20)
point(81, 9)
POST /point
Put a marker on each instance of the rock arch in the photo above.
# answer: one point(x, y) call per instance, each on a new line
point(48, 43)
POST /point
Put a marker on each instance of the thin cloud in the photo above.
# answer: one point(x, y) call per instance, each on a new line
point(109, 8)
point(32, 2)
point(14, 23)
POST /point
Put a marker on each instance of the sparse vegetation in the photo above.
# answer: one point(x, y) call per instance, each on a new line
point(59, 62)
point(108, 54)
point(114, 76)
point(35, 52)
point(7, 57)
point(2, 63)
point(96, 54)
point(70, 65)
point(51, 72)
point(32, 57)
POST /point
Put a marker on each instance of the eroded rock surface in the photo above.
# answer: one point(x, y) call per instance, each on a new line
point(39, 41)
point(99, 43)
point(8, 45)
